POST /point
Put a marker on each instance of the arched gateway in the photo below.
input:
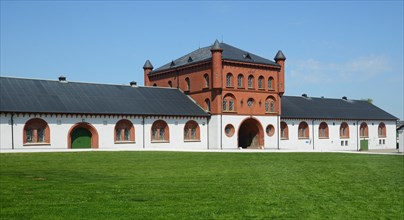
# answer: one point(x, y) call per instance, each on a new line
point(82, 135)
point(251, 134)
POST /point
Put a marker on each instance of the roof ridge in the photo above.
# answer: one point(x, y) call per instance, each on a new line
point(50, 80)
point(313, 97)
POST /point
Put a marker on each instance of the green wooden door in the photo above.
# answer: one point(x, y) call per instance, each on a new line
point(81, 138)
point(364, 145)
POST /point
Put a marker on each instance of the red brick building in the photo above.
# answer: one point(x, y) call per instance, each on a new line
point(227, 81)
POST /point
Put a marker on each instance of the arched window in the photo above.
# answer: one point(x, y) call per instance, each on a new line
point(229, 80)
point(36, 131)
point(270, 83)
point(229, 103)
point(344, 130)
point(154, 84)
point(270, 105)
point(303, 130)
point(188, 82)
point(124, 131)
point(206, 76)
point(240, 81)
point(160, 132)
point(191, 131)
point(323, 130)
point(284, 131)
point(261, 82)
point(250, 82)
point(381, 130)
point(207, 104)
point(363, 130)
point(170, 84)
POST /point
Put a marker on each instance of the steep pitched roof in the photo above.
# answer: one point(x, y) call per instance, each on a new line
point(203, 54)
point(324, 108)
point(45, 96)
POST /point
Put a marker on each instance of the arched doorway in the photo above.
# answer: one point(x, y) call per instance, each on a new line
point(250, 134)
point(82, 135)
point(81, 138)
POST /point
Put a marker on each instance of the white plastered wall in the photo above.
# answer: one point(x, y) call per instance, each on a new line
point(237, 120)
point(60, 125)
point(333, 142)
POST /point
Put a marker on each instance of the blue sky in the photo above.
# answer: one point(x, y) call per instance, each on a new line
point(333, 48)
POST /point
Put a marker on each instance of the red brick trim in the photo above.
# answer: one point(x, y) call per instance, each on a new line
point(89, 127)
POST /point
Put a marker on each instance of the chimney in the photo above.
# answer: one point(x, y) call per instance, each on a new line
point(304, 95)
point(344, 98)
point(62, 79)
point(133, 84)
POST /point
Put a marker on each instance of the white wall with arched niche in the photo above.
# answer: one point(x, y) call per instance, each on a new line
point(11, 136)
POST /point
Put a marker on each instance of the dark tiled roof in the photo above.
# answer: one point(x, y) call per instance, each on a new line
point(45, 96)
point(229, 53)
point(324, 108)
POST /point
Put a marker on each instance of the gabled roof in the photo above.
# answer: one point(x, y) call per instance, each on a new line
point(325, 108)
point(229, 53)
point(45, 96)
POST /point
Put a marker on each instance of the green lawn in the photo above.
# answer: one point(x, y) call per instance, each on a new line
point(178, 185)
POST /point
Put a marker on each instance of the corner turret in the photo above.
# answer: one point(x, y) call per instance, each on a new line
point(147, 68)
point(216, 65)
point(280, 59)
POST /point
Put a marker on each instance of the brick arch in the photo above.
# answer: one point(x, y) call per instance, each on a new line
point(207, 81)
point(381, 130)
point(251, 82)
point(160, 131)
point(35, 124)
point(122, 125)
point(268, 101)
point(227, 99)
point(363, 130)
point(344, 130)
point(271, 83)
point(261, 83)
point(250, 134)
point(323, 131)
point(187, 84)
point(303, 130)
point(229, 79)
point(284, 130)
point(191, 131)
point(240, 80)
point(90, 128)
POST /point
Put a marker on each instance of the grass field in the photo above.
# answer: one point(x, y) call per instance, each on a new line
point(178, 185)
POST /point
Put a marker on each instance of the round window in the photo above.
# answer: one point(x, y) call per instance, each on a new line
point(229, 130)
point(270, 130)
point(250, 102)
